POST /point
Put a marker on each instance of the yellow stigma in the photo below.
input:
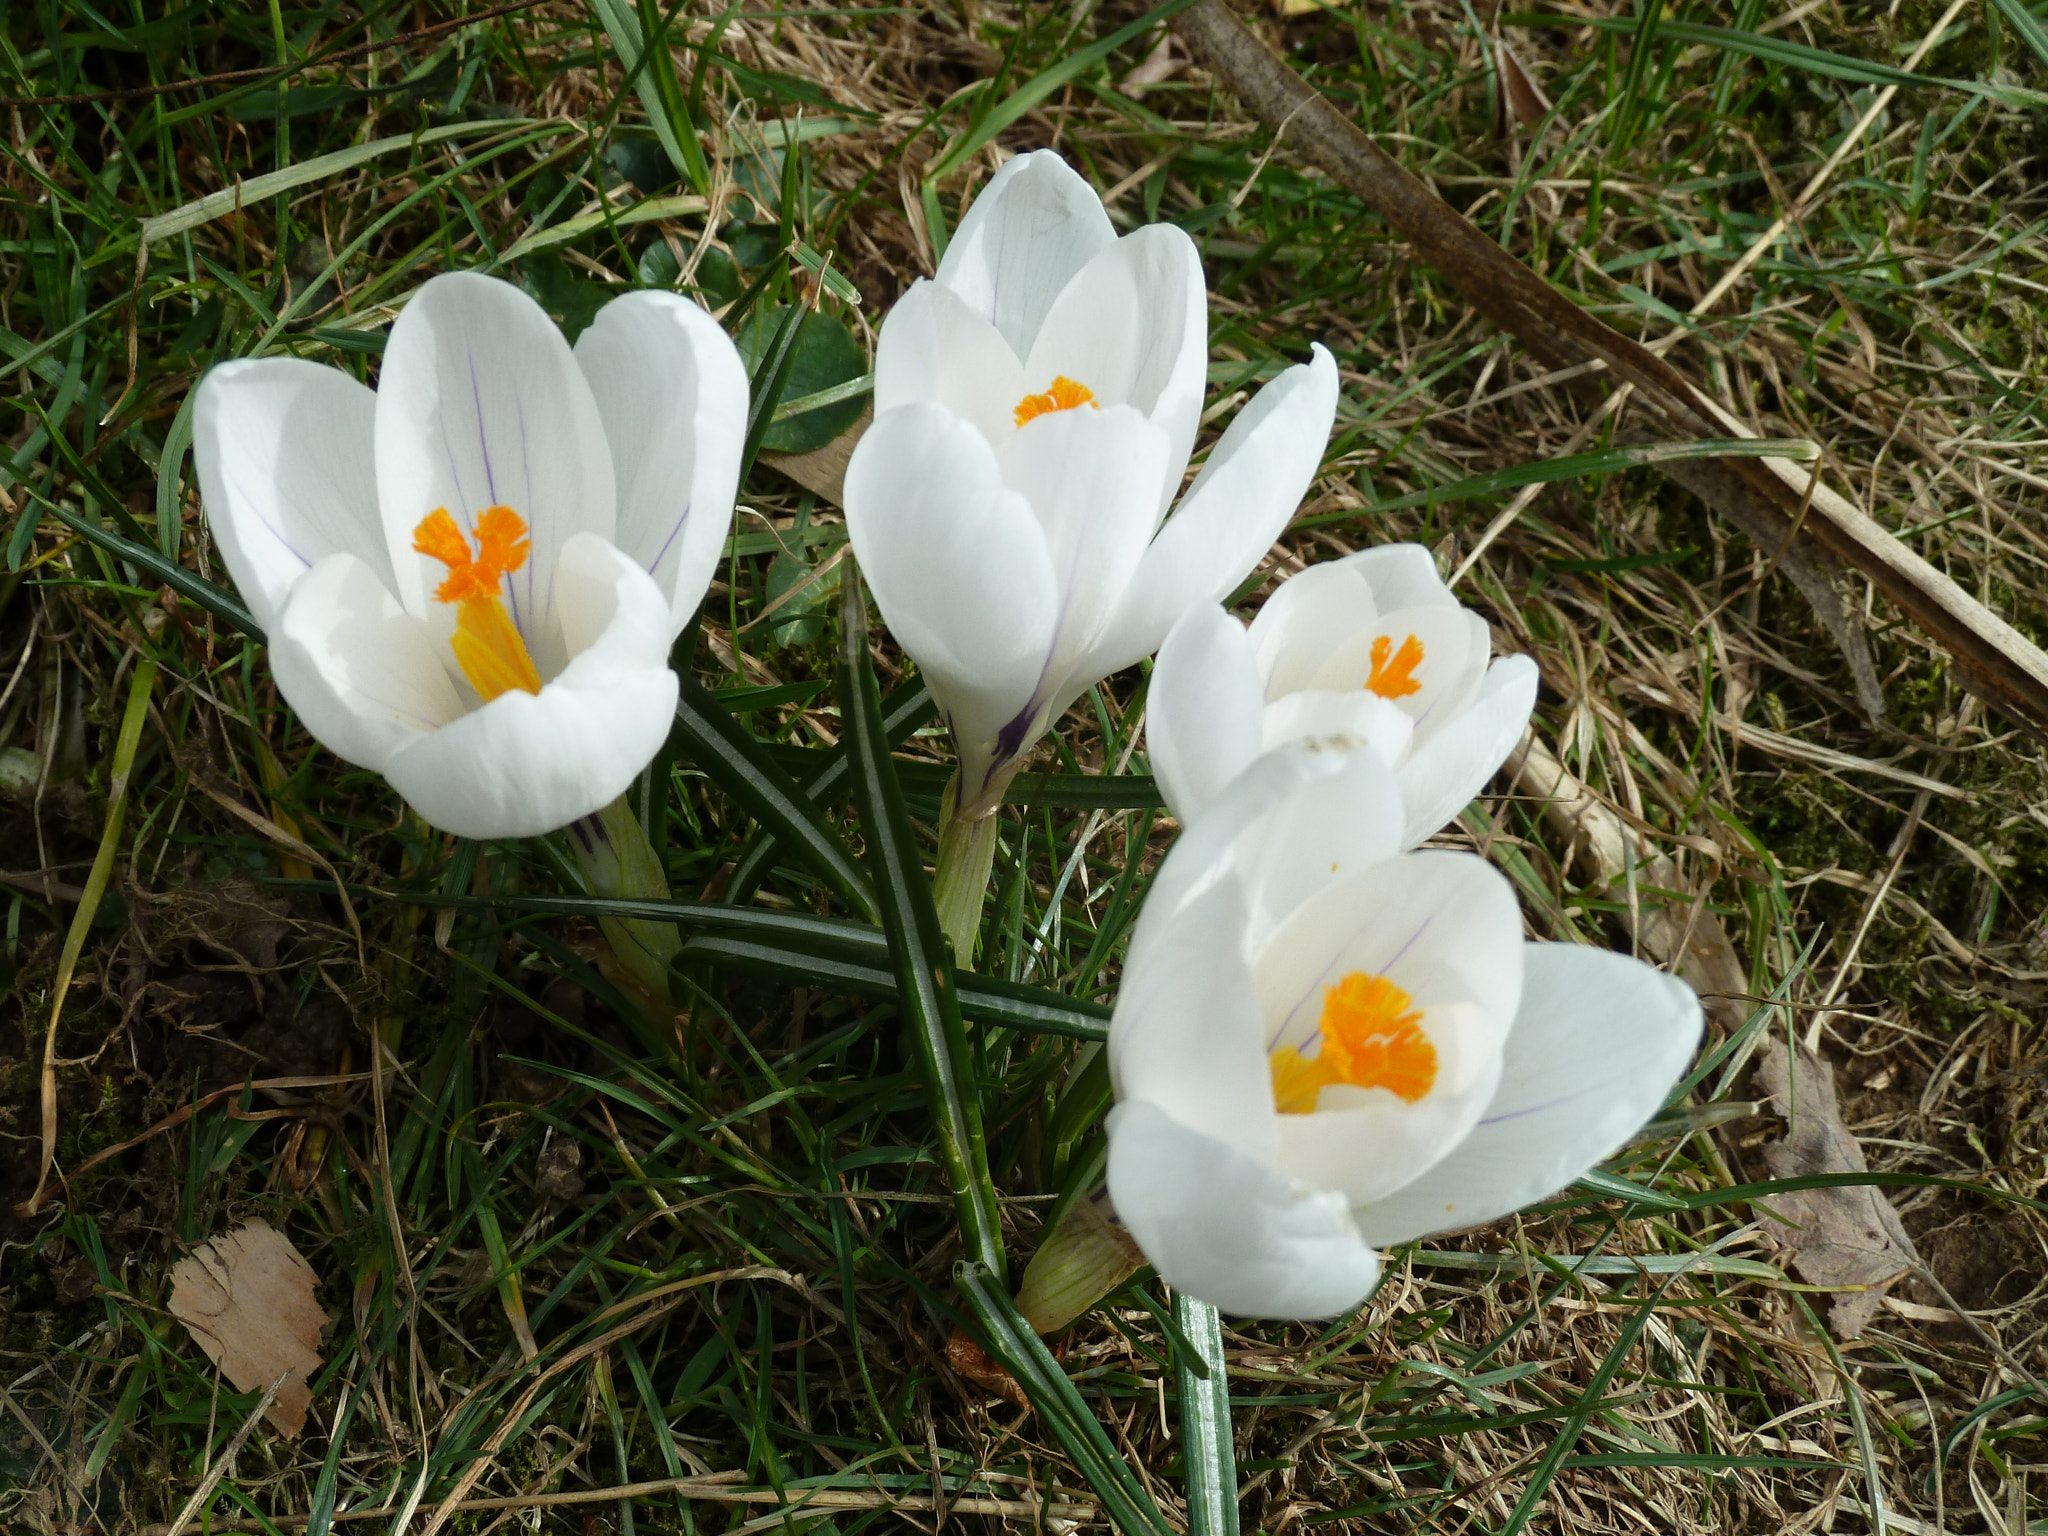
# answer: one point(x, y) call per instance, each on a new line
point(1395, 678)
point(1372, 1038)
point(1064, 395)
point(487, 644)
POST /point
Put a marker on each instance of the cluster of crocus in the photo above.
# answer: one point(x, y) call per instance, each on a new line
point(1324, 1041)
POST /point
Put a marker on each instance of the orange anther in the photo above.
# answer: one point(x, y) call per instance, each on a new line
point(1395, 679)
point(502, 547)
point(1371, 1038)
point(1064, 395)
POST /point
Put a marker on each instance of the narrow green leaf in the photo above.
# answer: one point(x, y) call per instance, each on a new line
point(2027, 24)
point(1206, 1446)
point(1011, 1344)
point(728, 752)
point(1042, 85)
point(825, 777)
point(641, 40)
point(984, 999)
point(170, 479)
point(923, 963)
point(219, 602)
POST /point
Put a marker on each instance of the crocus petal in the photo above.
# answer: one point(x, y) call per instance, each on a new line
point(1133, 326)
point(1030, 230)
point(1244, 496)
point(1453, 647)
point(1401, 576)
point(527, 763)
point(1441, 926)
point(1598, 1043)
point(1308, 616)
point(287, 473)
point(362, 674)
point(958, 564)
point(1202, 711)
point(1444, 773)
point(1366, 1144)
point(935, 348)
point(672, 394)
point(481, 404)
point(1228, 1229)
point(1087, 476)
point(1186, 1032)
point(1338, 720)
point(1325, 833)
point(1203, 853)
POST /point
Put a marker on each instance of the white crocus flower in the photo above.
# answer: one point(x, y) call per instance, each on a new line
point(1320, 1049)
point(470, 578)
point(1370, 651)
point(1035, 406)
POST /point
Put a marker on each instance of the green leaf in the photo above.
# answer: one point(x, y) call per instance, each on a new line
point(728, 752)
point(1205, 1419)
point(222, 604)
point(825, 777)
point(827, 358)
point(917, 949)
point(641, 39)
point(984, 999)
point(1011, 1344)
point(2027, 24)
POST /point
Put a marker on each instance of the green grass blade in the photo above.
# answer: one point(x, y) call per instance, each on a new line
point(902, 713)
point(2027, 24)
point(643, 47)
point(923, 963)
point(984, 999)
point(1205, 1420)
point(1011, 1343)
point(728, 752)
point(218, 601)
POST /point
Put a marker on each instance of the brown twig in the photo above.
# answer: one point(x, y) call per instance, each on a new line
point(1992, 658)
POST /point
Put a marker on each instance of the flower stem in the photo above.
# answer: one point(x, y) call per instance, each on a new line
point(967, 852)
point(615, 859)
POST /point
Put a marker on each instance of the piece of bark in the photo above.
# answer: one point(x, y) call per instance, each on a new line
point(1848, 1239)
point(247, 1298)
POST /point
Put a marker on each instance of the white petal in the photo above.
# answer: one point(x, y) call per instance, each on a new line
point(1133, 326)
point(1306, 618)
point(287, 473)
point(1367, 1144)
point(1088, 476)
point(1202, 710)
point(1032, 228)
point(1454, 648)
point(672, 393)
point(1186, 1033)
point(1443, 927)
point(958, 563)
point(1238, 505)
point(1401, 576)
point(1321, 835)
point(1206, 851)
point(1599, 1041)
point(934, 348)
point(1229, 1230)
point(362, 674)
point(527, 763)
point(1444, 773)
point(1338, 721)
point(481, 404)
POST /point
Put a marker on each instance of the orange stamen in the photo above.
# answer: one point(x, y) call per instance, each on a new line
point(1372, 1038)
point(1064, 395)
point(487, 644)
point(1395, 679)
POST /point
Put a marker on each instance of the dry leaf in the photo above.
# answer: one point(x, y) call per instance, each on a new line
point(1843, 1238)
point(1520, 95)
point(247, 1297)
point(823, 470)
point(978, 1367)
